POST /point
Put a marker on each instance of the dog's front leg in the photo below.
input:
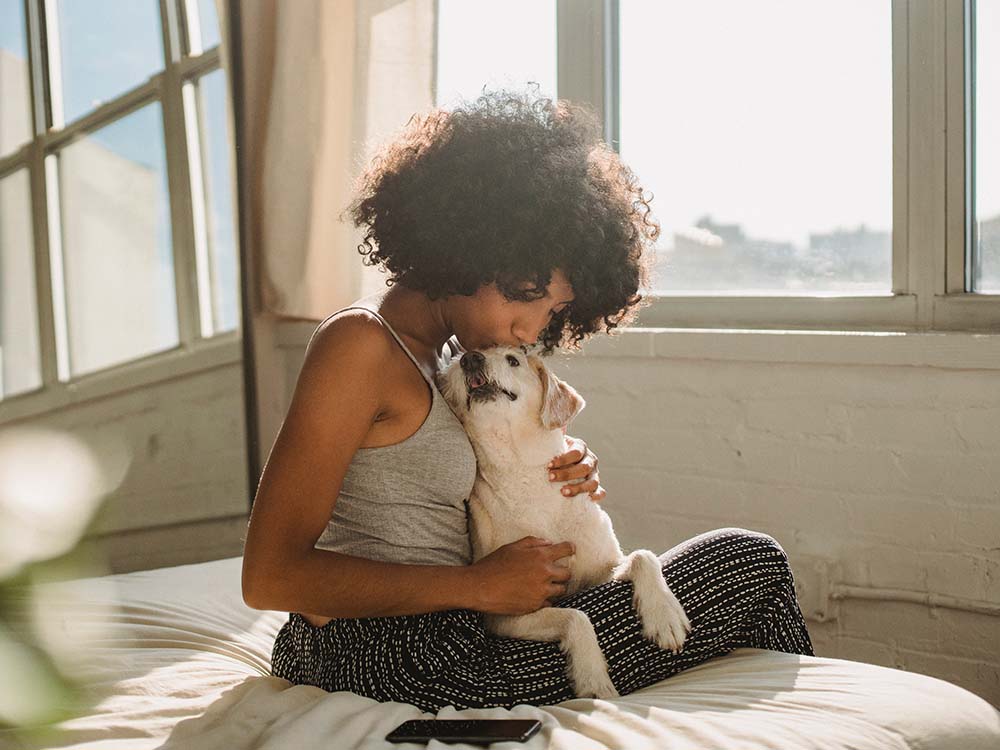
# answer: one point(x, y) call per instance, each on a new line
point(663, 618)
point(576, 637)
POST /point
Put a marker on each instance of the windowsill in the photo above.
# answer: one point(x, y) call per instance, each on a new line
point(952, 350)
point(226, 349)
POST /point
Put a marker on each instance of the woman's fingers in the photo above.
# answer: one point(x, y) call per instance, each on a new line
point(574, 474)
point(578, 468)
point(575, 450)
point(585, 469)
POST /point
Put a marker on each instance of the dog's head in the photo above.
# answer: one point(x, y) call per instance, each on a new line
point(507, 385)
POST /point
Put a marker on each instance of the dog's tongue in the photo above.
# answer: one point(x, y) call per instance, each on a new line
point(477, 379)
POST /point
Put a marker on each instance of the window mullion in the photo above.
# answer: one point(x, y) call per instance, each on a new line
point(611, 32)
point(44, 289)
point(926, 148)
point(959, 144)
point(179, 184)
point(580, 54)
point(53, 63)
point(37, 64)
point(35, 164)
point(900, 147)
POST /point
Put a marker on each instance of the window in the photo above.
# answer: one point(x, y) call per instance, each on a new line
point(767, 149)
point(117, 227)
point(813, 165)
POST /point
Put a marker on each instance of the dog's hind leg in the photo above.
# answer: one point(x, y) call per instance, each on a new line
point(572, 629)
point(663, 619)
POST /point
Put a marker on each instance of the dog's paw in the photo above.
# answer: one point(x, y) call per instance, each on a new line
point(666, 625)
point(594, 684)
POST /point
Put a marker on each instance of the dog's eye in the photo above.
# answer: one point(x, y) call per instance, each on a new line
point(513, 361)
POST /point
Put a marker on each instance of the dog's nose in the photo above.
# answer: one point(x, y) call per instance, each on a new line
point(472, 361)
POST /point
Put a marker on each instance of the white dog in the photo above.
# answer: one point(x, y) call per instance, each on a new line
point(514, 410)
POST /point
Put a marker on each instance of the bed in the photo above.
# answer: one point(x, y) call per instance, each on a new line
point(181, 662)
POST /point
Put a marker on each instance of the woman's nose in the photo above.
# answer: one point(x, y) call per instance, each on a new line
point(525, 335)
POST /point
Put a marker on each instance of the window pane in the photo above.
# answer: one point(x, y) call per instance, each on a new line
point(15, 94)
point(986, 277)
point(209, 24)
point(117, 261)
point(768, 150)
point(107, 47)
point(20, 366)
point(216, 162)
point(474, 47)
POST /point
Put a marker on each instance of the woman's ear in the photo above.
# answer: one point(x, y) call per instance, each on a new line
point(560, 402)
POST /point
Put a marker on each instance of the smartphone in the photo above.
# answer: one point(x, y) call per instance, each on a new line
point(473, 731)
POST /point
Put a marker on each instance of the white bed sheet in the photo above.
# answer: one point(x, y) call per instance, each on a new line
point(182, 662)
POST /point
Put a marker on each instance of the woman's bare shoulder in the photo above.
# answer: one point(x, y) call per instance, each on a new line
point(356, 330)
point(357, 317)
point(350, 347)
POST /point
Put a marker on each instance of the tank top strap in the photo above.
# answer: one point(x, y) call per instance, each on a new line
point(453, 346)
point(395, 336)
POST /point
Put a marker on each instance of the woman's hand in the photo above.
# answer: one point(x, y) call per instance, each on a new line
point(520, 577)
point(578, 464)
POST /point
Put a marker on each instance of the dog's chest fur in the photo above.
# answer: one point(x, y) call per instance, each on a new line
point(511, 500)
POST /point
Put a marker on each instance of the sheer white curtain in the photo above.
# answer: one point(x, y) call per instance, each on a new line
point(325, 81)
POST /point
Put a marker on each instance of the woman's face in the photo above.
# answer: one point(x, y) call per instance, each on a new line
point(487, 318)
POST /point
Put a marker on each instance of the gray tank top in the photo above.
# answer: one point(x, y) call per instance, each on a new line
point(408, 502)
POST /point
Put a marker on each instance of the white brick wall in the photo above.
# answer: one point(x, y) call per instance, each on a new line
point(887, 465)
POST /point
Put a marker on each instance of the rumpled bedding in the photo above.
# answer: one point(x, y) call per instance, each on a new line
point(180, 662)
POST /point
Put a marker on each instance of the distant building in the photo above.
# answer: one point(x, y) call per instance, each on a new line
point(720, 257)
point(988, 232)
point(15, 114)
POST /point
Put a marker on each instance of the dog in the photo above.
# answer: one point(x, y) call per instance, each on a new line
point(514, 410)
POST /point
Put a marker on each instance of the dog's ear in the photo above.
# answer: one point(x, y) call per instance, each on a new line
point(560, 402)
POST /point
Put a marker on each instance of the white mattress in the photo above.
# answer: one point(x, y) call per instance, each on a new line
point(183, 663)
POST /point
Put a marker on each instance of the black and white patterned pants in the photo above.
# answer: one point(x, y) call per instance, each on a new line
point(735, 585)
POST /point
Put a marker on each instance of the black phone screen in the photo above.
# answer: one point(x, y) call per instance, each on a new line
point(474, 731)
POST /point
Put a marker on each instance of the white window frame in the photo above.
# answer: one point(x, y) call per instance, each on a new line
point(193, 353)
point(931, 225)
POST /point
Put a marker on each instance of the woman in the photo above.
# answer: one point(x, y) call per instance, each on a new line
point(507, 221)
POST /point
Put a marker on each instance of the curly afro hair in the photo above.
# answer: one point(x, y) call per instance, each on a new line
point(505, 190)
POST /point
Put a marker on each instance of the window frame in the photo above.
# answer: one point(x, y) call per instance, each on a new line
point(193, 352)
point(932, 228)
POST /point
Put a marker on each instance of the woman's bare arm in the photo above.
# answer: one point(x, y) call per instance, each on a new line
point(337, 396)
point(331, 584)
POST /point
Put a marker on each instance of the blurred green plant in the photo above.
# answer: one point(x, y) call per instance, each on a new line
point(54, 489)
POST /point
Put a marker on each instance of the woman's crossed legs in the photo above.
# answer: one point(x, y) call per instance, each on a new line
point(735, 585)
